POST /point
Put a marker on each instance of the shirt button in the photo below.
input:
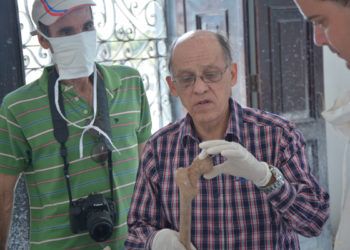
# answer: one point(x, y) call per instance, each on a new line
point(217, 231)
point(85, 112)
point(76, 98)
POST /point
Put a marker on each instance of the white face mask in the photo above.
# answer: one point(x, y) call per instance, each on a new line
point(74, 55)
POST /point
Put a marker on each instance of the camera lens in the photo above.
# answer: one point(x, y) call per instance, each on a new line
point(100, 226)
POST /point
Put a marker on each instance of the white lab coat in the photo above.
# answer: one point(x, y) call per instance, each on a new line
point(339, 117)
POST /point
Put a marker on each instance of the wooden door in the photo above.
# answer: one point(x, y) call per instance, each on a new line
point(286, 71)
point(283, 69)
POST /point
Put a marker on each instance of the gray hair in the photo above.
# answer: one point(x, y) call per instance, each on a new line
point(223, 42)
point(44, 29)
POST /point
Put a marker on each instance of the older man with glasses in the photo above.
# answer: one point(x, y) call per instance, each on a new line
point(260, 193)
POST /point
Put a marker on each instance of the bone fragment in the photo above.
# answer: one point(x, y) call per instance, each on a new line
point(187, 179)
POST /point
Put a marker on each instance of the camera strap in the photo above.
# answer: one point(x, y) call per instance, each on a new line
point(61, 129)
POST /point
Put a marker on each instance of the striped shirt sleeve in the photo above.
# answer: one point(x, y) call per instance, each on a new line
point(144, 130)
point(14, 149)
point(301, 202)
point(145, 205)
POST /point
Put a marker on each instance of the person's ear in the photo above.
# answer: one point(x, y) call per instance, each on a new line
point(43, 42)
point(171, 85)
point(233, 70)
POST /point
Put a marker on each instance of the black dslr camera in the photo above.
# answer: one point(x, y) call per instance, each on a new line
point(95, 214)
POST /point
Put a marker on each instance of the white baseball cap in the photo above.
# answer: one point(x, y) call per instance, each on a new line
point(49, 11)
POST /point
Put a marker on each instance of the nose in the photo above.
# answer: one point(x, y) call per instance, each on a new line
point(320, 38)
point(200, 86)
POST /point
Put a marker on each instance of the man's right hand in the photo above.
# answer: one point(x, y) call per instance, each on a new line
point(167, 239)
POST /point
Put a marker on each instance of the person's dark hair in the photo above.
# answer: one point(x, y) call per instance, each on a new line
point(342, 2)
point(223, 42)
point(44, 29)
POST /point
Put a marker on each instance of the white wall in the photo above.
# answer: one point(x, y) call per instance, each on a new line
point(337, 81)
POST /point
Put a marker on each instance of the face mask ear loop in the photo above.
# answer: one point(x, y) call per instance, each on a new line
point(94, 108)
point(81, 145)
point(58, 106)
point(43, 35)
point(91, 124)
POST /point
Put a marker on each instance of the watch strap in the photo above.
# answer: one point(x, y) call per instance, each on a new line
point(278, 183)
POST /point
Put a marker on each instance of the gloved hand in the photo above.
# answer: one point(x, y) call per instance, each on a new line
point(239, 162)
point(167, 239)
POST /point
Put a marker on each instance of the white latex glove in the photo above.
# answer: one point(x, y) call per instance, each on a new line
point(239, 162)
point(167, 239)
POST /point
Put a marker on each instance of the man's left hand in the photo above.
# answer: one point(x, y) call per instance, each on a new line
point(240, 162)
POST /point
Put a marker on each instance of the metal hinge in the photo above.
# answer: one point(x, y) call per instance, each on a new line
point(253, 82)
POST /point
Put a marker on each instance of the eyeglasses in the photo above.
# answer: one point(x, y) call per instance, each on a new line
point(99, 152)
point(210, 76)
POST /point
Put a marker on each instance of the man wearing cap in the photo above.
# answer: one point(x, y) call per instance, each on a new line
point(75, 134)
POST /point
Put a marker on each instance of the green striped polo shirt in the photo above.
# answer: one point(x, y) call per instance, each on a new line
point(28, 146)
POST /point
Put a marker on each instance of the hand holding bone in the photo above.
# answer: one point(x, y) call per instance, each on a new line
point(186, 179)
point(240, 162)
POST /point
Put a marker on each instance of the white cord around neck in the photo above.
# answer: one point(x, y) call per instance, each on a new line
point(91, 123)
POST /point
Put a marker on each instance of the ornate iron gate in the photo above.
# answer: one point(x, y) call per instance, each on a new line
point(129, 32)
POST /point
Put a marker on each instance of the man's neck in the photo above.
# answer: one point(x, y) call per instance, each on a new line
point(83, 87)
point(213, 131)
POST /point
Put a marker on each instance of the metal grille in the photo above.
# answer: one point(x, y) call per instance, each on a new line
point(129, 32)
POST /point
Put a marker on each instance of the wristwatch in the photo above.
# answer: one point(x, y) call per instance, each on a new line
point(279, 181)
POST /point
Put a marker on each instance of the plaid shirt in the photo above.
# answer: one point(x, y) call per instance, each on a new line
point(230, 212)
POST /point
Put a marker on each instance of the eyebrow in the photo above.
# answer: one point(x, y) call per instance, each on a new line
point(185, 72)
point(70, 29)
point(66, 29)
